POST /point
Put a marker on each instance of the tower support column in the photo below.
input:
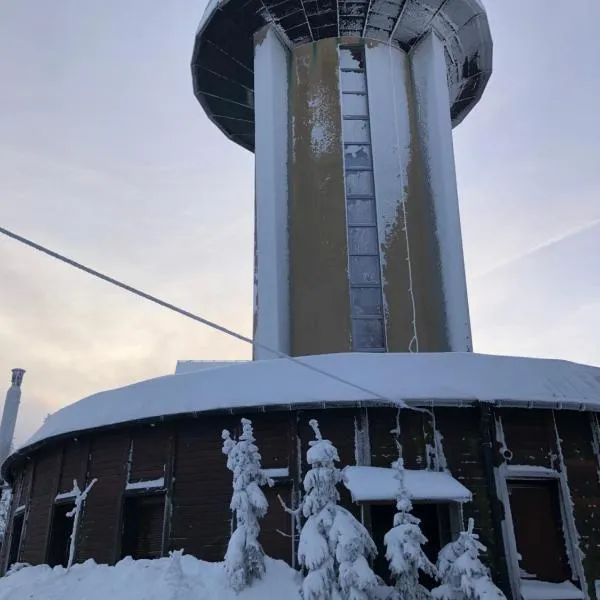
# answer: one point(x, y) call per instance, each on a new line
point(271, 256)
point(435, 132)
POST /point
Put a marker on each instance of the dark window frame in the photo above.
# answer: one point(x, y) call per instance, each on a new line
point(59, 506)
point(14, 549)
point(160, 496)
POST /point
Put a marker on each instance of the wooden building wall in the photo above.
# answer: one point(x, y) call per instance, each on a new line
point(197, 485)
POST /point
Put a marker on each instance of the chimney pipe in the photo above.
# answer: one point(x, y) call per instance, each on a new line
point(9, 416)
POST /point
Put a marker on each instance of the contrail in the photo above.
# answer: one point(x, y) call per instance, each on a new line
point(538, 248)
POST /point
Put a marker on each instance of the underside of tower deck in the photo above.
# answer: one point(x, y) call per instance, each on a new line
point(223, 60)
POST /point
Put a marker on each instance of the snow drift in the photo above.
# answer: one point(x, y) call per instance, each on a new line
point(173, 578)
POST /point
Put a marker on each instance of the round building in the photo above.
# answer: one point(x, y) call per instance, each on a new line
point(359, 278)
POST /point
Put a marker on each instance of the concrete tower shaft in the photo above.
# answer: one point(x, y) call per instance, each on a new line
point(358, 235)
point(358, 243)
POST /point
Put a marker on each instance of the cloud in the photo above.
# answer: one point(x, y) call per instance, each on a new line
point(538, 248)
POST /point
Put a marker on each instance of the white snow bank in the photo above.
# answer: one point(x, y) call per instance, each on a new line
point(378, 483)
point(161, 579)
point(532, 589)
point(449, 377)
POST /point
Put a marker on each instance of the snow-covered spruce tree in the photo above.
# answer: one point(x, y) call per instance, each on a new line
point(404, 543)
point(334, 547)
point(244, 560)
point(463, 575)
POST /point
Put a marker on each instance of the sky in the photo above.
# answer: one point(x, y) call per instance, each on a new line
point(106, 156)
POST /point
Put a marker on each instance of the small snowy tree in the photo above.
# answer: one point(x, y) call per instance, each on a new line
point(5, 501)
point(404, 543)
point(244, 560)
point(79, 498)
point(334, 547)
point(463, 575)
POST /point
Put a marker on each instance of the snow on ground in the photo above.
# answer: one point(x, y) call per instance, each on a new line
point(542, 590)
point(160, 579)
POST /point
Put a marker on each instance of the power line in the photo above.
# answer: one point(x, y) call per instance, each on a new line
point(186, 313)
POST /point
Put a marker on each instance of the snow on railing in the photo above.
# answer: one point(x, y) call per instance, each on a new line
point(277, 472)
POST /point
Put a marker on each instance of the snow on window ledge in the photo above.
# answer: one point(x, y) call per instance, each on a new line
point(532, 589)
point(278, 473)
point(146, 484)
point(372, 484)
point(65, 496)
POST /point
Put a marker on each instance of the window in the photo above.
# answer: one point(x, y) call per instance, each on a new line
point(435, 525)
point(366, 297)
point(14, 551)
point(60, 535)
point(537, 523)
point(142, 533)
point(276, 527)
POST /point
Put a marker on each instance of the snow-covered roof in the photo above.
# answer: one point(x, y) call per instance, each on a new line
point(441, 378)
point(371, 484)
point(191, 366)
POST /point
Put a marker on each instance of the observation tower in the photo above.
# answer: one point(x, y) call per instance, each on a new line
point(349, 108)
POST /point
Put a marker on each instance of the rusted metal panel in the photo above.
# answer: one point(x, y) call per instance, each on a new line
point(99, 534)
point(39, 511)
point(150, 453)
point(201, 519)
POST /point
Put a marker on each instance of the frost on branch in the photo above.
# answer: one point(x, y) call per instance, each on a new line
point(463, 575)
point(404, 543)
point(244, 560)
point(79, 498)
point(334, 547)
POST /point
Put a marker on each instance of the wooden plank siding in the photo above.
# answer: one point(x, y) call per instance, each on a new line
point(74, 464)
point(414, 426)
point(198, 484)
point(39, 512)
point(462, 443)
point(149, 453)
point(529, 435)
point(581, 466)
point(100, 531)
point(201, 519)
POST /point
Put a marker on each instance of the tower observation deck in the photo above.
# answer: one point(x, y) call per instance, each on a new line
point(349, 108)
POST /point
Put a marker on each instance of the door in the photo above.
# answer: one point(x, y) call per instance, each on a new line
point(538, 528)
